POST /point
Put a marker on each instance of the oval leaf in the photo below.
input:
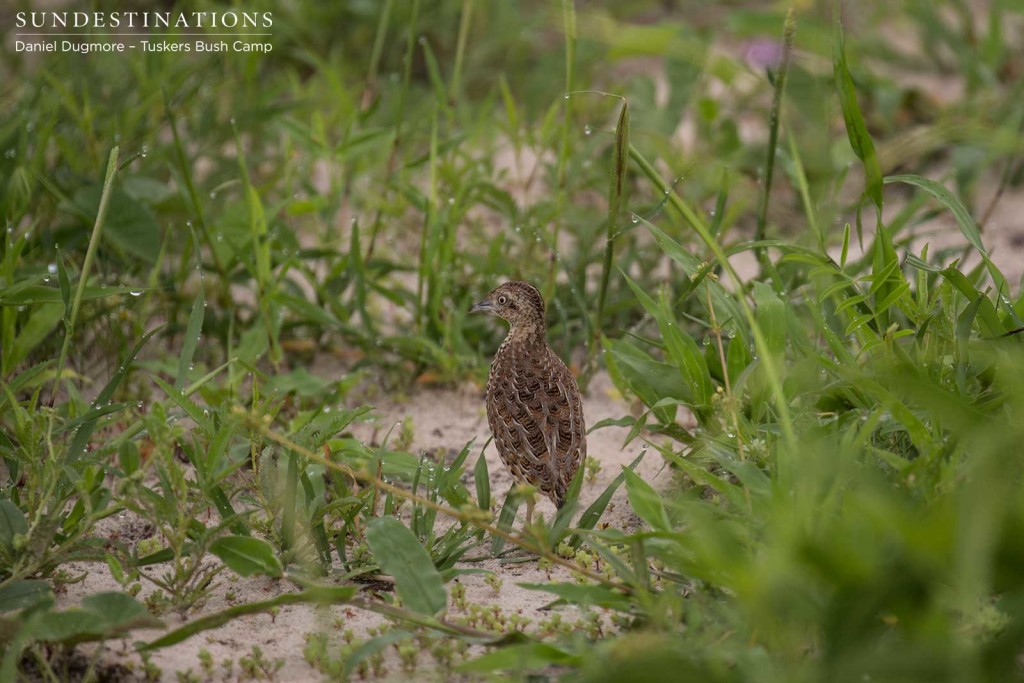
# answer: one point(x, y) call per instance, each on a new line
point(401, 555)
point(246, 556)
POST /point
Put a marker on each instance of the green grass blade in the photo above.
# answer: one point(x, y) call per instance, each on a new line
point(856, 129)
point(85, 431)
point(616, 191)
point(90, 256)
point(506, 518)
point(590, 516)
point(964, 221)
point(190, 342)
point(788, 32)
point(482, 480)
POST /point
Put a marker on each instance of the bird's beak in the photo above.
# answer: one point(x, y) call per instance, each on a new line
point(484, 306)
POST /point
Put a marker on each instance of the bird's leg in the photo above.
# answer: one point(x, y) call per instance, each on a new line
point(530, 502)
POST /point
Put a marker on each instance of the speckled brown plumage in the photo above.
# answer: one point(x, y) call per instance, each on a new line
point(533, 404)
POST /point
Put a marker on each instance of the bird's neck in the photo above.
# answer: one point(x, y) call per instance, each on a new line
point(527, 335)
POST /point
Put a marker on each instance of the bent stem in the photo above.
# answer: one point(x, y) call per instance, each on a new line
point(469, 517)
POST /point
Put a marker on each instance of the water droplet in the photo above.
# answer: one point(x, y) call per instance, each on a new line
point(135, 292)
point(233, 120)
point(213, 195)
point(51, 268)
point(587, 130)
point(46, 278)
point(145, 151)
point(634, 218)
point(10, 153)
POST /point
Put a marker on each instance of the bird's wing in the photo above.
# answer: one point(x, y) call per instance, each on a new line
point(545, 415)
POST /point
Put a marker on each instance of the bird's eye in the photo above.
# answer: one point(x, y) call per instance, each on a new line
point(503, 299)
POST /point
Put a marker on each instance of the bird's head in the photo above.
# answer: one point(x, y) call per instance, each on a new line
point(520, 303)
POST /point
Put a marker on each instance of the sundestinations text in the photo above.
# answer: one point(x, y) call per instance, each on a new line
point(93, 20)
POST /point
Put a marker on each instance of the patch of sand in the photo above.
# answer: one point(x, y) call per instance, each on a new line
point(442, 419)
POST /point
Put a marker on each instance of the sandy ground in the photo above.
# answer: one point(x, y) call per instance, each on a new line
point(448, 419)
point(442, 418)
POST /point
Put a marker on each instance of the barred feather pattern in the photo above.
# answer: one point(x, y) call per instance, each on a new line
point(534, 406)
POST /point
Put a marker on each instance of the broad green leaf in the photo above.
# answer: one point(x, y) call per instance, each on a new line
point(685, 354)
point(130, 225)
point(12, 523)
point(737, 359)
point(23, 594)
point(651, 380)
point(593, 595)
point(300, 382)
point(646, 502)
point(101, 616)
point(400, 554)
point(771, 317)
point(116, 608)
point(246, 555)
point(522, 657)
point(989, 319)
point(36, 330)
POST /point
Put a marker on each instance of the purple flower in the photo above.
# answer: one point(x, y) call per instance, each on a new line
point(763, 53)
